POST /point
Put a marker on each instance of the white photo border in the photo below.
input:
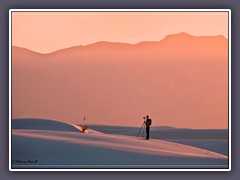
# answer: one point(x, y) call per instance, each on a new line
point(119, 10)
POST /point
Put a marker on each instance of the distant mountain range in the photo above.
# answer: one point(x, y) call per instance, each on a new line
point(181, 81)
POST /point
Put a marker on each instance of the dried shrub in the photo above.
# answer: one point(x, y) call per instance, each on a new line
point(84, 128)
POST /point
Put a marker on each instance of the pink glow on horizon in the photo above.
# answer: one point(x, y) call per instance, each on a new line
point(119, 88)
point(49, 31)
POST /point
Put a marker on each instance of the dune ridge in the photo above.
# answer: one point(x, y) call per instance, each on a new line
point(95, 148)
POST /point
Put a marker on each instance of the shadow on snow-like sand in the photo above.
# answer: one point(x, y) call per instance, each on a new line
point(37, 143)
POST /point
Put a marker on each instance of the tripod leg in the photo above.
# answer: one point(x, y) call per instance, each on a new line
point(140, 129)
point(144, 132)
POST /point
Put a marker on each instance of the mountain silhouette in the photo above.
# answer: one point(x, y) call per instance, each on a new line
point(181, 80)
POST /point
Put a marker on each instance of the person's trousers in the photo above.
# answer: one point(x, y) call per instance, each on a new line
point(147, 132)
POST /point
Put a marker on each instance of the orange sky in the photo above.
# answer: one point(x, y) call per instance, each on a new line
point(191, 94)
point(49, 31)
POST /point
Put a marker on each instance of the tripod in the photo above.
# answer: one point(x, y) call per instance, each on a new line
point(143, 125)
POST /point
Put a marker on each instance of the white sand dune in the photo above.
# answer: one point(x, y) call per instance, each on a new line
point(215, 140)
point(44, 124)
point(40, 144)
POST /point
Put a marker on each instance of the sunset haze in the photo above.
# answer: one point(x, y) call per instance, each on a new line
point(49, 31)
point(116, 67)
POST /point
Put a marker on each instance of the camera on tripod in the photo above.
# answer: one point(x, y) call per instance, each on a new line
point(146, 123)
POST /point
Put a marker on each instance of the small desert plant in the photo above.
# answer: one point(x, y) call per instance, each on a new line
point(84, 128)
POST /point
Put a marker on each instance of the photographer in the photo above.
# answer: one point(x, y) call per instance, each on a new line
point(148, 123)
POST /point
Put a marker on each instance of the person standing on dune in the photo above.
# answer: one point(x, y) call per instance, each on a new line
point(148, 123)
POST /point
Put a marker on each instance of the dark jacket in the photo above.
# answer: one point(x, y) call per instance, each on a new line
point(148, 122)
